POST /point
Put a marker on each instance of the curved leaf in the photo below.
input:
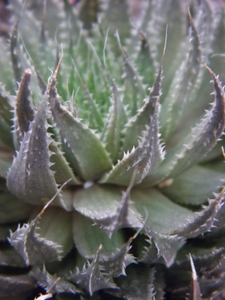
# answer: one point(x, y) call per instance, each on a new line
point(83, 233)
point(117, 119)
point(90, 159)
point(142, 159)
point(40, 243)
point(136, 125)
point(197, 144)
point(30, 177)
point(205, 135)
point(108, 207)
point(182, 87)
point(189, 188)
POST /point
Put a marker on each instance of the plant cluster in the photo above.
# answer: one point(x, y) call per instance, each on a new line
point(111, 158)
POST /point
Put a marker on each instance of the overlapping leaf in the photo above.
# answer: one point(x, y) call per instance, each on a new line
point(30, 177)
point(88, 162)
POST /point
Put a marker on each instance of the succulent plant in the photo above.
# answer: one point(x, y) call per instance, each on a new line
point(111, 151)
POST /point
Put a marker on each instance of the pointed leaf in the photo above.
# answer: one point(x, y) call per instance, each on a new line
point(133, 82)
point(197, 144)
point(7, 104)
point(125, 216)
point(116, 17)
point(195, 289)
point(206, 260)
point(205, 135)
point(55, 225)
point(16, 63)
point(95, 119)
point(63, 172)
point(116, 263)
point(53, 283)
point(144, 61)
point(142, 159)
point(31, 247)
point(91, 278)
point(30, 177)
point(210, 287)
point(138, 284)
point(117, 119)
point(203, 220)
point(106, 206)
point(89, 162)
point(189, 188)
point(83, 237)
point(164, 216)
point(162, 246)
point(24, 111)
point(135, 127)
point(40, 243)
point(183, 85)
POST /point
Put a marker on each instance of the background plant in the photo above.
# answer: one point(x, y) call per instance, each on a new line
point(140, 171)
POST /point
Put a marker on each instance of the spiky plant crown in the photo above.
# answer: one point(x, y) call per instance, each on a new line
point(96, 142)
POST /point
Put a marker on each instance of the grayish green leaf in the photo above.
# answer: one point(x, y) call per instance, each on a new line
point(89, 162)
point(30, 177)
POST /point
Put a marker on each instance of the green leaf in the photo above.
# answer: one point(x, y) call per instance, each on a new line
point(7, 104)
point(6, 116)
point(55, 225)
point(6, 137)
point(108, 207)
point(203, 221)
point(181, 190)
point(30, 178)
point(117, 119)
point(182, 86)
point(144, 60)
point(61, 167)
point(116, 17)
point(163, 248)
point(205, 135)
point(86, 244)
point(13, 209)
point(94, 117)
point(197, 144)
point(116, 263)
point(134, 87)
point(164, 216)
point(136, 125)
point(39, 243)
point(140, 160)
point(90, 159)
point(16, 63)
